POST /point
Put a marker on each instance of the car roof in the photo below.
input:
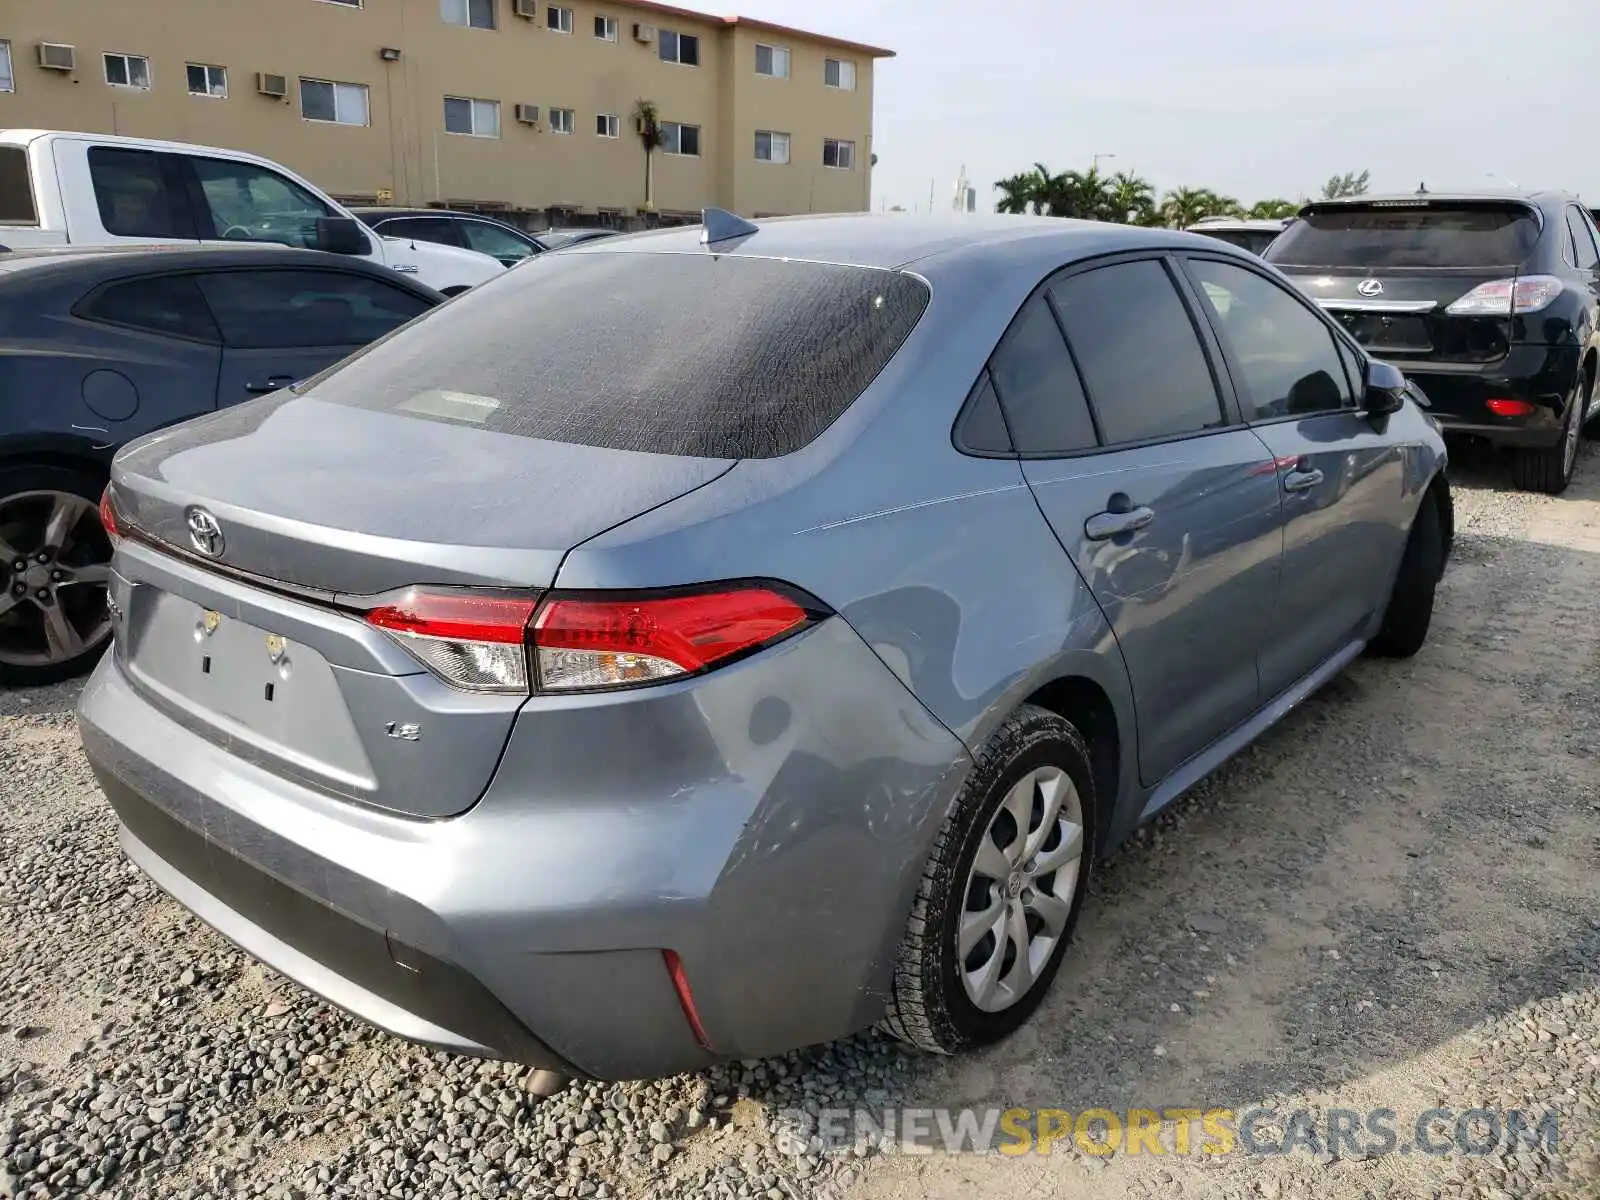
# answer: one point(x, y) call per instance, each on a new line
point(383, 213)
point(1540, 196)
point(91, 260)
point(896, 240)
point(1266, 224)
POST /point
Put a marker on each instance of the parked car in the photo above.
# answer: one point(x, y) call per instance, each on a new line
point(90, 189)
point(598, 700)
point(1490, 301)
point(1252, 234)
point(99, 346)
point(506, 243)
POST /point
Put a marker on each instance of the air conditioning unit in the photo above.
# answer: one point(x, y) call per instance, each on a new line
point(272, 85)
point(528, 114)
point(54, 56)
point(526, 9)
point(644, 33)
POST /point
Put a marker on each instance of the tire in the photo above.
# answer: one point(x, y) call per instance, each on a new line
point(35, 650)
point(1549, 468)
point(932, 1005)
point(1410, 612)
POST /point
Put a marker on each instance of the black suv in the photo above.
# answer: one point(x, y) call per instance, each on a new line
point(1489, 301)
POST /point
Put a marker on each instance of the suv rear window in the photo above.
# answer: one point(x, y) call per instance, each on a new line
point(16, 193)
point(1409, 235)
point(691, 354)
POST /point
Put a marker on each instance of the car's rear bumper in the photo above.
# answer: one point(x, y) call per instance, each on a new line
point(767, 823)
point(1458, 395)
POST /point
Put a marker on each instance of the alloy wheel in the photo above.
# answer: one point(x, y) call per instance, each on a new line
point(55, 563)
point(1019, 891)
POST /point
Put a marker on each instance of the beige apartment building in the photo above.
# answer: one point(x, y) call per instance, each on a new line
point(520, 106)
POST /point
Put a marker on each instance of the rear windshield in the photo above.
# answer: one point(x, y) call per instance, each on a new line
point(690, 354)
point(16, 193)
point(1427, 235)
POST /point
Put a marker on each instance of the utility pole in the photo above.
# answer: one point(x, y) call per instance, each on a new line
point(1094, 159)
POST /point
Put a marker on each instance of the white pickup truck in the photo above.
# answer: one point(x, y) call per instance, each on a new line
point(93, 189)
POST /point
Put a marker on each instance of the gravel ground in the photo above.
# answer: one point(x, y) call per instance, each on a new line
point(1393, 900)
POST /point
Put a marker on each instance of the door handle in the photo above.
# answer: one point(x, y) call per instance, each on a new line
point(1302, 480)
point(1109, 524)
point(274, 383)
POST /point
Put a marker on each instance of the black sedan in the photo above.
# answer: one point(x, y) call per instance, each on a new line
point(99, 346)
point(1489, 301)
point(471, 231)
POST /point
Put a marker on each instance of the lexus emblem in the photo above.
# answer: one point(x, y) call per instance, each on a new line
point(1370, 287)
point(205, 535)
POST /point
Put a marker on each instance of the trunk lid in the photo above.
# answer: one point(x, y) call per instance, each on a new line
point(1389, 271)
point(357, 501)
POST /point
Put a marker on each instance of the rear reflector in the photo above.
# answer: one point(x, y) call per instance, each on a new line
point(1509, 408)
point(470, 640)
point(680, 984)
point(483, 641)
point(108, 515)
point(584, 642)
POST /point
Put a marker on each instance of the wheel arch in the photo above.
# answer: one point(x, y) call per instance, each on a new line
point(1087, 705)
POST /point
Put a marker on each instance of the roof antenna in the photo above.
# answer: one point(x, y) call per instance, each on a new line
point(720, 225)
point(1422, 189)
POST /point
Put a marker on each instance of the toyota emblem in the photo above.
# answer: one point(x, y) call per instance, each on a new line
point(205, 535)
point(1370, 287)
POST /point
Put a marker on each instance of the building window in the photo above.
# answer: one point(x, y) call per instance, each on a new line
point(839, 73)
point(474, 118)
point(681, 48)
point(8, 80)
point(838, 154)
point(773, 61)
point(605, 28)
point(340, 103)
point(476, 14)
point(608, 125)
point(563, 120)
point(558, 19)
point(208, 81)
point(772, 147)
point(680, 139)
point(128, 70)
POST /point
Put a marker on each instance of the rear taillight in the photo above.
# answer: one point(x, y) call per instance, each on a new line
point(1502, 297)
point(491, 642)
point(474, 641)
point(583, 642)
point(108, 515)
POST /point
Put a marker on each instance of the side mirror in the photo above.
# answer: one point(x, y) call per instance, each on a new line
point(1386, 389)
point(341, 235)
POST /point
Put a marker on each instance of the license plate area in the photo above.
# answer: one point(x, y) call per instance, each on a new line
point(242, 684)
point(1383, 331)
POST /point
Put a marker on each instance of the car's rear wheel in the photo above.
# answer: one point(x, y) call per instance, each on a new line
point(1410, 613)
point(1549, 468)
point(54, 565)
point(1001, 891)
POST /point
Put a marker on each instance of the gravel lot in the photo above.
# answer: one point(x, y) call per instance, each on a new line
point(1394, 900)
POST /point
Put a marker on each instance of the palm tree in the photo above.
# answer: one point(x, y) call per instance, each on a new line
point(1019, 193)
point(1348, 184)
point(1182, 207)
point(1268, 210)
point(1082, 194)
point(647, 120)
point(1131, 199)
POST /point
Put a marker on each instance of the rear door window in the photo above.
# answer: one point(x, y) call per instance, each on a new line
point(139, 195)
point(1039, 387)
point(1142, 363)
point(1288, 356)
point(1403, 234)
point(16, 189)
point(284, 309)
point(440, 230)
point(495, 241)
point(169, 304)
point(1588, 258)
point(712, 356)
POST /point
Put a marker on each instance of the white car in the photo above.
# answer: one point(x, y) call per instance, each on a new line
point(90, 189)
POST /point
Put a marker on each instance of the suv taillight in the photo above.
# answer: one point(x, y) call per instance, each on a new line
point(108, 515)
point(1502, 297)
point(596, 641)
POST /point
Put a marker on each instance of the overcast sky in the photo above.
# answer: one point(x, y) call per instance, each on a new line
point(1250, 98)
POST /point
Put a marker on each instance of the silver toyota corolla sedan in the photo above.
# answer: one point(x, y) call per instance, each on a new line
point(699, 645)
